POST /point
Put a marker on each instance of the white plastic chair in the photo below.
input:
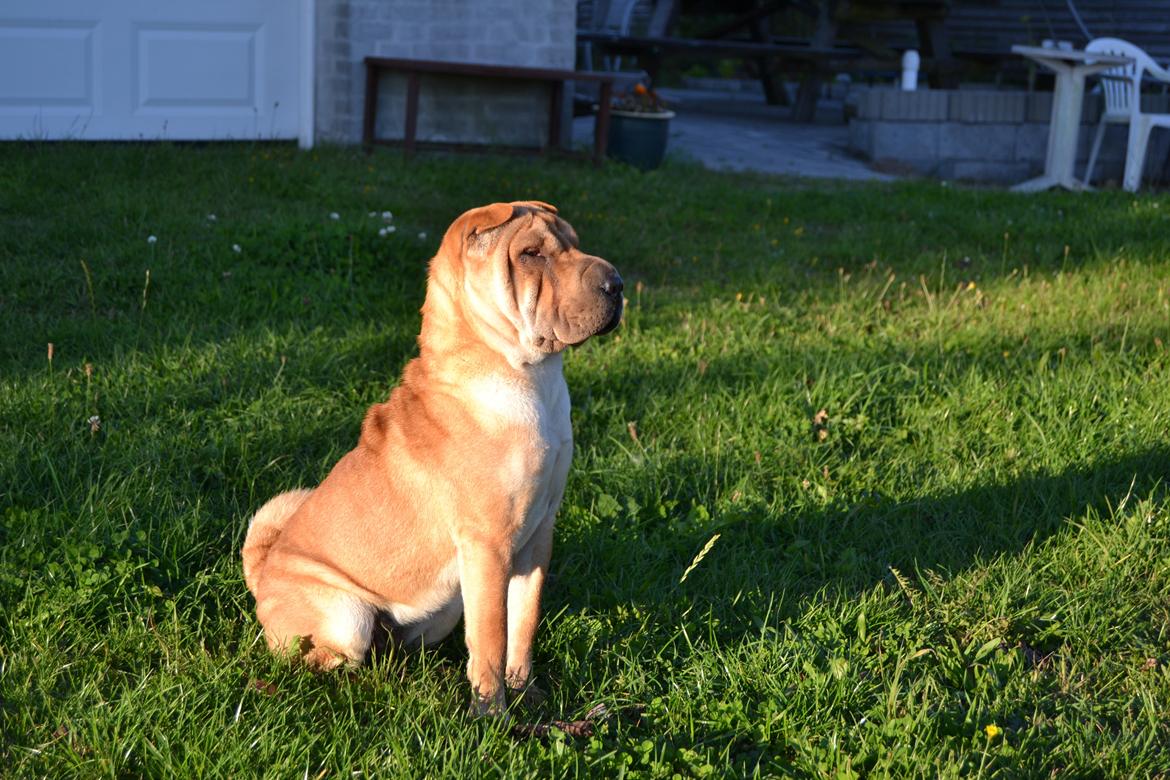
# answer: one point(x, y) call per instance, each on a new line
point(1123, 105)
point(613, 17)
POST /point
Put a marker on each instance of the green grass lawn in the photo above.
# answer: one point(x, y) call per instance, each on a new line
point(920, 431)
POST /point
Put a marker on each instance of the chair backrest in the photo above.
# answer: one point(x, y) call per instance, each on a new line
point(1123, 84)
point(609, 16)
point(614, 16)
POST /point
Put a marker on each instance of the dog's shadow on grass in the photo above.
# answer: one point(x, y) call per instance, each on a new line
point(848, 545)
point(774, 552)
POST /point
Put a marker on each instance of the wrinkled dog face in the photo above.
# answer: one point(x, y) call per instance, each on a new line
point(551, 292)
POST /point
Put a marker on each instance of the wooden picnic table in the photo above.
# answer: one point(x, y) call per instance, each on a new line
point(656, 46)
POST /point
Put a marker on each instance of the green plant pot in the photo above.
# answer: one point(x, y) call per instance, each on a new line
point(639, 139)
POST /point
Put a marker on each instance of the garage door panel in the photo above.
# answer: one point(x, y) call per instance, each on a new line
point(150, 69)
point(198, 70)
point(48, 65)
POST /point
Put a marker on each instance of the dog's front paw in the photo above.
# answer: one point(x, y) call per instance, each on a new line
point(527, 694)
point(494, 706)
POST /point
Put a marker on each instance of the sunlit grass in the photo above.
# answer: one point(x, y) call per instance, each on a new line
point(924, 426)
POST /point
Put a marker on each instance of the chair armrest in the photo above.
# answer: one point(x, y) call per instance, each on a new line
point(1158, 72)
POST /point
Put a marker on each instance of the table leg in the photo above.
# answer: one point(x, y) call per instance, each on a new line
point(1067, 101)
point(1063, 127)
point(1039, 184)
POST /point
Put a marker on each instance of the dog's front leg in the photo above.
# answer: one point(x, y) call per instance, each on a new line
point(483, 574)
point(529, 568)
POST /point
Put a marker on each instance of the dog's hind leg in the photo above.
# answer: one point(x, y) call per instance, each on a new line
point(264, 529)
point(329, 627)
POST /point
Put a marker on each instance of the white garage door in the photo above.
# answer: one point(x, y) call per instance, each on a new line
point(153, 69)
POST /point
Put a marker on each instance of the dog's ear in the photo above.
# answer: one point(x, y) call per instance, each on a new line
point(478, 220)
point(486, 218)
point(564, 227)
point(537, 204)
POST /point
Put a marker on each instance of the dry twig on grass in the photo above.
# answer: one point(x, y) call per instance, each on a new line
point(574, 728)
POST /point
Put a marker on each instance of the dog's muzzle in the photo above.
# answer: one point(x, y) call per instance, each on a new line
point(611, 288)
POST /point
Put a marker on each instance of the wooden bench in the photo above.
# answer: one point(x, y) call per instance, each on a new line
point(415, 69)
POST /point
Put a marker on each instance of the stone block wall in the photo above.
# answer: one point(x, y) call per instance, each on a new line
point(988, 135)
point(531, 33)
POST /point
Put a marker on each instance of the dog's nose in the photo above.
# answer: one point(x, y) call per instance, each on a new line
point(611, 285)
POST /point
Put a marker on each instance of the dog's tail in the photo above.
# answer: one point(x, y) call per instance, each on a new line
point(264, 529)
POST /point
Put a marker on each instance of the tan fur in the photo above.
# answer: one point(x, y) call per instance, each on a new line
point(446, 505)
point(264, 529)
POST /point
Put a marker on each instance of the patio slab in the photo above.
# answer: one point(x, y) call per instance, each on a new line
point(739, 132)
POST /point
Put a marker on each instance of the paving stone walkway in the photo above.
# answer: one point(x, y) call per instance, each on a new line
point(739, 132)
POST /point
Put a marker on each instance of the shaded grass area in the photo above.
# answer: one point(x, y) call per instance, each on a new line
point(925, 427)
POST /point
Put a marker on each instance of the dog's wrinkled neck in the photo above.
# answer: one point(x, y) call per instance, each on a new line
point(453, 334)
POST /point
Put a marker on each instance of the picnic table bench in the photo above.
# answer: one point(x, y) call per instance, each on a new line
point(415, 69)
point(821, 60)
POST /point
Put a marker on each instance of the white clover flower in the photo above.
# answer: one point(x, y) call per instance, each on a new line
point(373, 214)
point(422, 236)
point(389, 228)
point(236, 248)
point(333, 215)
point(151, 239)
point(211, 218)
point(95, 424)
point(386, 215)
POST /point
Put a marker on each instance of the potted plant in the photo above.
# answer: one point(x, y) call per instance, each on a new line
point(639, 125)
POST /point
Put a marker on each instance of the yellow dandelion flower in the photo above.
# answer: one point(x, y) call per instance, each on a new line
point(992, 731)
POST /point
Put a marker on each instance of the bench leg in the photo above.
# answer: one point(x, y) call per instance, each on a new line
point(411, 113)
point(555, 99)
point(370, 110)
point(601, 124)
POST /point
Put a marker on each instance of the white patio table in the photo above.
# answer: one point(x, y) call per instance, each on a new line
point(1071, 67)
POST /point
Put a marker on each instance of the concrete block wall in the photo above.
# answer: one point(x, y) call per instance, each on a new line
point(532, 33)
point(985, 135)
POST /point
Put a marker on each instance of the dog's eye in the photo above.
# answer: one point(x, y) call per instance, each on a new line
point(532, 253)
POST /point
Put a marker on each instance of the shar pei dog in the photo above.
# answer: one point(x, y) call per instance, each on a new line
point(445, 508)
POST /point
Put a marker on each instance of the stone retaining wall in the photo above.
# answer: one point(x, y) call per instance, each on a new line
point(991, 136)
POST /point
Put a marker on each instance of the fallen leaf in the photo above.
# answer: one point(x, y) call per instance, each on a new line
point(265, 687)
